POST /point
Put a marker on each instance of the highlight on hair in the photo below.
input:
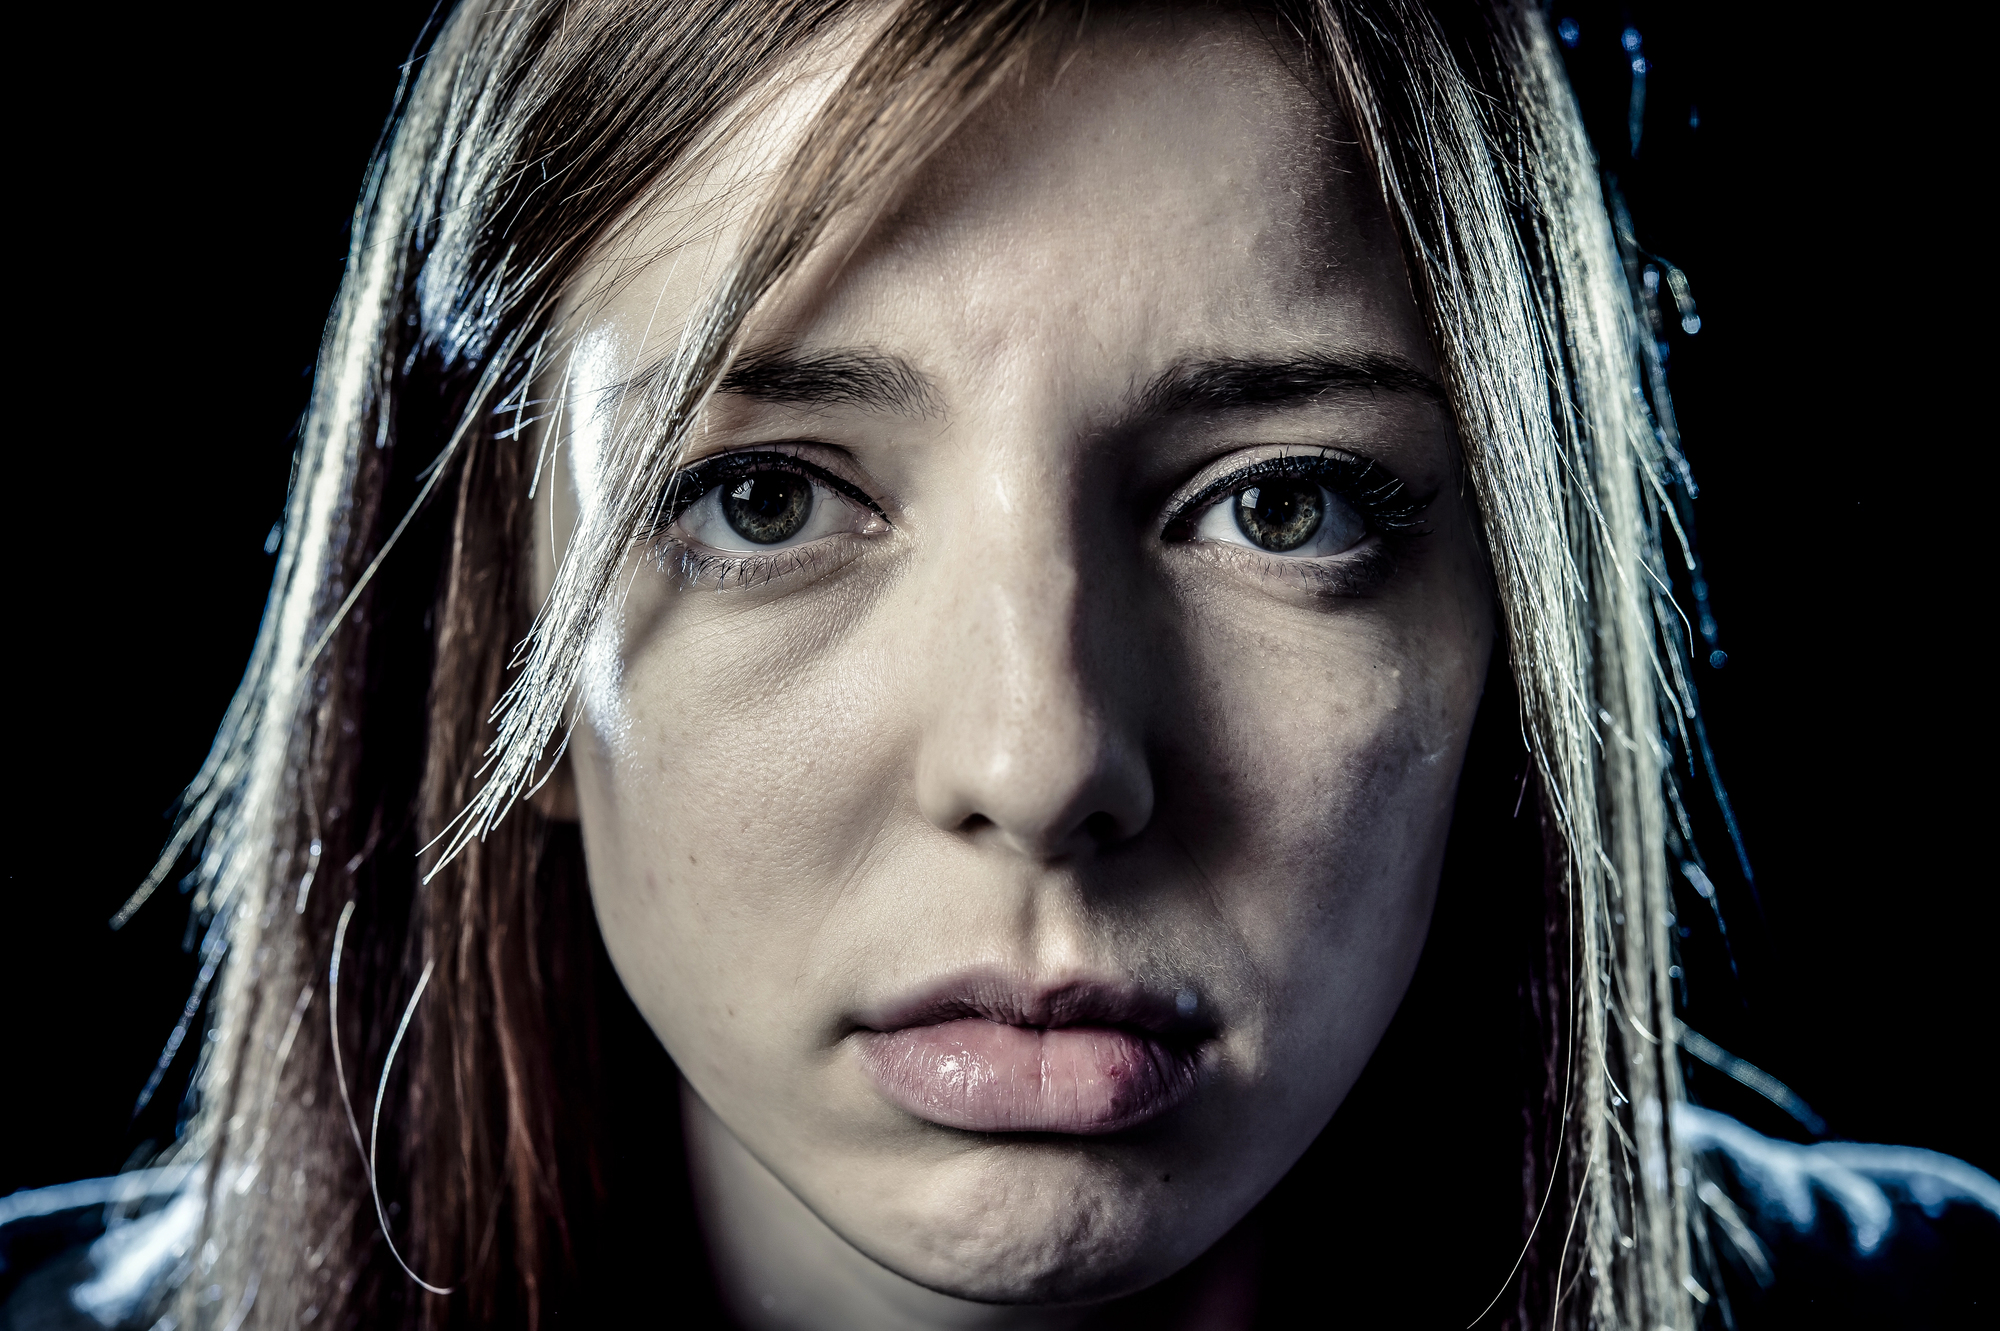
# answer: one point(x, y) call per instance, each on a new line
point(404, 699)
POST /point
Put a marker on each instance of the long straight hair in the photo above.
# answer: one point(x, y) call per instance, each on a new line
point(400, 1109)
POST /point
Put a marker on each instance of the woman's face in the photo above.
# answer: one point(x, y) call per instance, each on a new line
point(1015, 789)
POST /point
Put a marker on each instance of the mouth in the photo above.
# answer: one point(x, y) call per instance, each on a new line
point(987, 1054)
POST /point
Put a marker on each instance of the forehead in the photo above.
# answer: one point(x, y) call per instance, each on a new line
point(1157, 184)
point(1149, 186)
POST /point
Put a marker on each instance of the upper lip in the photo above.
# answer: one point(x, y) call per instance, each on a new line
point(1019, 1001)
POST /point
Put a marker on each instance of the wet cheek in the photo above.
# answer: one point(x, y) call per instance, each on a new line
point(1339, 770)
point(1345, 870)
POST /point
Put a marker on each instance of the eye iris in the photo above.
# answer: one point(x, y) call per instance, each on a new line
point(1280, 514)
point(767, 506)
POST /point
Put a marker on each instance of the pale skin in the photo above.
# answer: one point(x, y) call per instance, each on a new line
point(1022, 710)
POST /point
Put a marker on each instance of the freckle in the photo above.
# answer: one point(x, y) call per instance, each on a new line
point(692, 859)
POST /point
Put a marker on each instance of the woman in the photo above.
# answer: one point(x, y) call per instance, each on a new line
point(1006, 557)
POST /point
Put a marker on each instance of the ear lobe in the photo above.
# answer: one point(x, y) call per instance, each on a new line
point(555, 798)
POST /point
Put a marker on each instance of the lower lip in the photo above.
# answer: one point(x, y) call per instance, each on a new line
point(985, 1076)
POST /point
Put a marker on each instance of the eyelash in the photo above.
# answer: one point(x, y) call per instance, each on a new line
point(1377, 493)
point(1381, 498)
point(687, 487)
point(728, 571)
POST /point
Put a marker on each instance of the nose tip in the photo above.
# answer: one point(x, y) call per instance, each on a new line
point(1033, 703)
point(1081, 797)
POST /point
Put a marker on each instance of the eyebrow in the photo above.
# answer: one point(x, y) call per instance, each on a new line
point(1227, 382)
point(846, 377)
point(877, 381)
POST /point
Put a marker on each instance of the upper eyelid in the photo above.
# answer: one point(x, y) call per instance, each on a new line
point(1194, 496)
point(714, 462)
point(1234, 463)
point(1200, 498)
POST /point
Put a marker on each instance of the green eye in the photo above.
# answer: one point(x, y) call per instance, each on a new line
point(1294, 516)
point(757, 503)
point(767, 507)
point(1280, 514)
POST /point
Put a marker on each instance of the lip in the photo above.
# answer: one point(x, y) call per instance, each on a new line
point(988, 1053)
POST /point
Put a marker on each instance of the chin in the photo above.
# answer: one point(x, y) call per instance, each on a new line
point(1041, 1220)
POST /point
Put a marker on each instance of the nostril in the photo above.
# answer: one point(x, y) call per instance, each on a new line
point(1102, 828)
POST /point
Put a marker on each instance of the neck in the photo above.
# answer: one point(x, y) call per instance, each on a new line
point(780, 1268)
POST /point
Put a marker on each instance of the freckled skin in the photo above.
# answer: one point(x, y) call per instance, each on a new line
point(1019, 729)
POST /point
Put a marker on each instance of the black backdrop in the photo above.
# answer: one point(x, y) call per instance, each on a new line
point(182, 190)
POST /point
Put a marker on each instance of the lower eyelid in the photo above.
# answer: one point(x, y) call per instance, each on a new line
point(729, 569)
point(1357, 571)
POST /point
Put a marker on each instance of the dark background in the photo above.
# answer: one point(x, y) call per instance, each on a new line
point(184, 182)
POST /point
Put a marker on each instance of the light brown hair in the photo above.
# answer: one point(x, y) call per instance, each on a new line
point(404, 696)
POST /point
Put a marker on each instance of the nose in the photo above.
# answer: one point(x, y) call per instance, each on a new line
point(1034, 736)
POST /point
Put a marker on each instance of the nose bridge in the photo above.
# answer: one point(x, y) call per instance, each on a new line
point(1028, 740)
point(1036, 703)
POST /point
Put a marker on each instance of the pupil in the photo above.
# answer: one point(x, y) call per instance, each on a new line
point(1280, 514)
point(767, 506)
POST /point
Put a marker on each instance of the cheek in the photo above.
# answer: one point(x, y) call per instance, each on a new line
point(1334, 744)
point(743, 795)
point(1319, 783)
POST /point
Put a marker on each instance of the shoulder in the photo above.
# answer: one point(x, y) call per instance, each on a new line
point(1841, 1234)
